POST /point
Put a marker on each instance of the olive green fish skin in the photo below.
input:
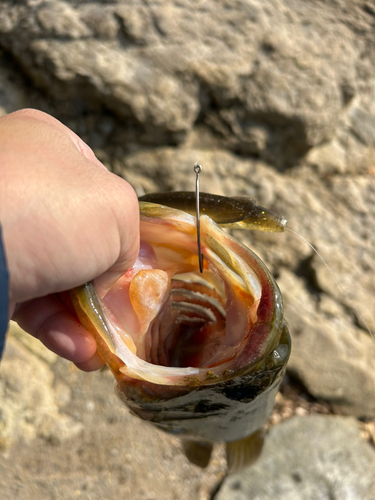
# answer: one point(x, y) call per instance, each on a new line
point(237, 212)
point(225, 411)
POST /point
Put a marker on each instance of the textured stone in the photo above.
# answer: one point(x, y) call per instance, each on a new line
point(333, 359)
point(289, 86)
point(310, 458)
point(60, 20)
point(271, 79)
point(332, 356)
point(28, 408)
point(12, 95)
point(64, 435)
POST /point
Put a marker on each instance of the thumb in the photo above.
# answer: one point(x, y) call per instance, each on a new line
point(124, 203)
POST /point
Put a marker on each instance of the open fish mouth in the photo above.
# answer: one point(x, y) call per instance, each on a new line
point(166, 323)
point(199, 355)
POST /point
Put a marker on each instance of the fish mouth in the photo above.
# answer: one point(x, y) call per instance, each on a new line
point(200, 322)
point(166, 323)
point(177, 323)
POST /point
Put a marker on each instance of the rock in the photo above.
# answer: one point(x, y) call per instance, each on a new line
point(308, 457)
point(12, 93)
point(271, 80)
point(60, 20)
point(276, 100)
point(28, 405)
point(332, 358)
point(330, 355)
point(330, 157)
point(65, 434)
point(167, 169)
point(326, 216)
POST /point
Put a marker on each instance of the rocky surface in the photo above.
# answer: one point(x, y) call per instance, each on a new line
point(65, 435)
point(271, 79)
point(32, 402)
point(276, 99)
point(319, 315)
point(310, 458)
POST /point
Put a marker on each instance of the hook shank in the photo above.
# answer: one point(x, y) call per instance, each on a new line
point(198, 170)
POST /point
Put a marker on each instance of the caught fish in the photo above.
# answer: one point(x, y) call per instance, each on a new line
point(199, 355)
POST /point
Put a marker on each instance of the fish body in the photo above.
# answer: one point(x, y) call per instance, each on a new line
point(197, 355)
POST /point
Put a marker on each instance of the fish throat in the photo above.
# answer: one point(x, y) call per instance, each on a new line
point(190, 328)
point(200, 324)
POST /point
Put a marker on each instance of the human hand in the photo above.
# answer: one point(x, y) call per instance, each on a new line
point(65, 220)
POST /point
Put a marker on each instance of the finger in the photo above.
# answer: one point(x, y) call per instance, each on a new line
point(48, 320)
point(96, 361)
point(125, 206)
point(92, 364)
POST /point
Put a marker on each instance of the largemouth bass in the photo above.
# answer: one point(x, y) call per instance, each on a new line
point(197, 355)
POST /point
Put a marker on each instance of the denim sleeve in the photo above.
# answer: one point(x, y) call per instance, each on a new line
point(4, 281)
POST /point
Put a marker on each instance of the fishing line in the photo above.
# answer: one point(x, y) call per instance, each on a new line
point(337, 281)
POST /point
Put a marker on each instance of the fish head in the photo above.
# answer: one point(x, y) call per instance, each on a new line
point(165, 323)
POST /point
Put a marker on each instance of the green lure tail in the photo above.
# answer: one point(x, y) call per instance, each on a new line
point(238, 212)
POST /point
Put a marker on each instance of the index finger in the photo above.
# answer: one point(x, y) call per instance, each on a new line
point(47, 319)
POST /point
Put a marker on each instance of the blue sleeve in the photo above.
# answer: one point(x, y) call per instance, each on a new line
point(4, 281)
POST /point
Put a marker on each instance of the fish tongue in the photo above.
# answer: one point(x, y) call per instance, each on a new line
point(147, 291)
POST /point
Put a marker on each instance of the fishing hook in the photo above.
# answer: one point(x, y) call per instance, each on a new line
point(198, 170)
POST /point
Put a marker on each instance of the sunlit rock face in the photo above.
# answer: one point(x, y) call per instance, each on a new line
point(276, 99)
point(271, 79)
